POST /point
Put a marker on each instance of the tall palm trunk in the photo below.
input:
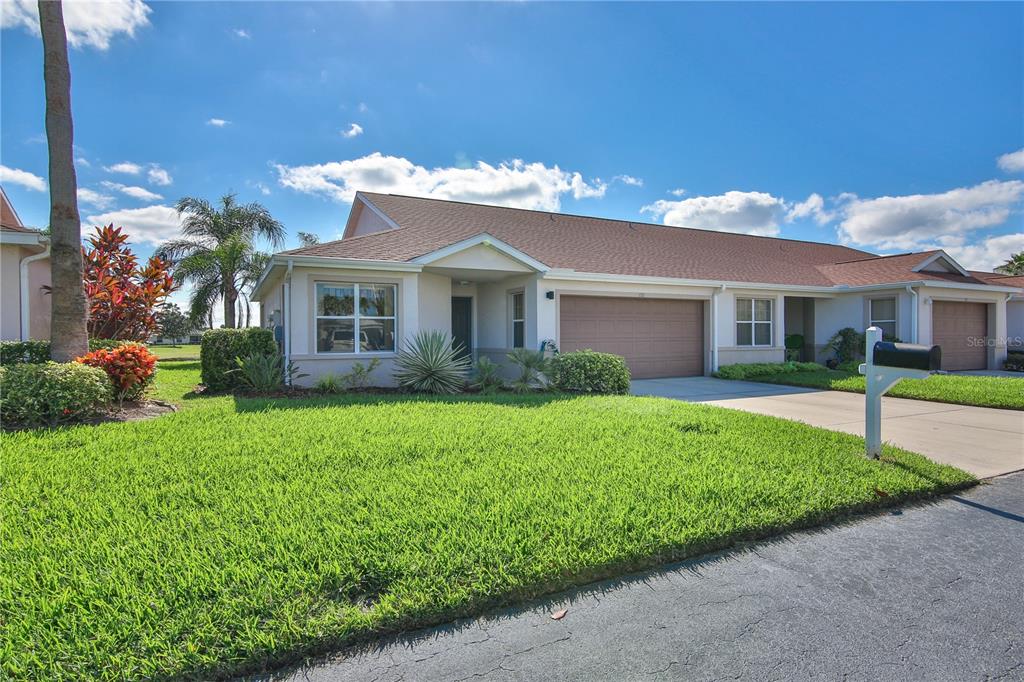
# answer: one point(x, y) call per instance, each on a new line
point(230, 303)
point(68, 334)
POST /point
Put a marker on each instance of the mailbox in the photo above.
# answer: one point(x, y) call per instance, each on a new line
point(908, 356)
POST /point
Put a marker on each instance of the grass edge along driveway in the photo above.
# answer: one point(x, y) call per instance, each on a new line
point(242, 534)
point(980, 391)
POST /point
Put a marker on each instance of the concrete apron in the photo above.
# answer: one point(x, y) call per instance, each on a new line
point(984, 441)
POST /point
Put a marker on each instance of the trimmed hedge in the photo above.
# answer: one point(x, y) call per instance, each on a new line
point(220, 347)
point(1014, 361)
point(588, 371)
point(746, 371)
point(35, 352)
point(51, 394)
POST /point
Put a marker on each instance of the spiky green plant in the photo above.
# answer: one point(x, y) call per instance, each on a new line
point(486, 379)
point(430, 363)
point(266, 373)
point(534, 368)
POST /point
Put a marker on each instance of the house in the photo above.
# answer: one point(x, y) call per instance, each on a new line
point(672, 301)
point(24, 272)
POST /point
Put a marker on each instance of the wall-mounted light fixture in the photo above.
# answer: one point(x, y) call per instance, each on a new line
point(550, 295)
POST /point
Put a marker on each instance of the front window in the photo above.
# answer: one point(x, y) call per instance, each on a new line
point(883, 316)
point(341, 323)
point(754, 321)
point(518, 320)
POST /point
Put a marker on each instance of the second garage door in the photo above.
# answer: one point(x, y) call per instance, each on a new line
point(658, 337)
point(961, 329)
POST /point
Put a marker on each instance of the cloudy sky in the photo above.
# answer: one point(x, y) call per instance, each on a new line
point(888, 127)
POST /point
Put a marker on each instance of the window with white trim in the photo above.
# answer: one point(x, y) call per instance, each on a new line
point(518, 320)
point(340, 321)
point(754, 321)
point(882, 314)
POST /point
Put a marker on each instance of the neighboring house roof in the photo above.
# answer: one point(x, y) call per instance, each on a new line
point(999, 279)
point(9, 219)
point(617, 247)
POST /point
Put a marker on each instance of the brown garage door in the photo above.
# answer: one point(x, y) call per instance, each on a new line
point(658, 337)
point(961, 329)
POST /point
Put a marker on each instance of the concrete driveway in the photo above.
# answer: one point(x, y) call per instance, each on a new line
point(984, 441)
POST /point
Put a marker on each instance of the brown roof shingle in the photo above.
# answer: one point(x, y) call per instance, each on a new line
point(618, 247)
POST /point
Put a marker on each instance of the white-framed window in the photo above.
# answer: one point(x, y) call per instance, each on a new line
point(882, 314)
point(518, 319)
point(347, 313)
point(754, 321)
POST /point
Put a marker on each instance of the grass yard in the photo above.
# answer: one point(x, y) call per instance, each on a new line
point(182, 352)
point(238, 534)
point(1004, 392)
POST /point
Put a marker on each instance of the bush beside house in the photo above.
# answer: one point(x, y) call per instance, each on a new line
point(220, 348)
point(51, 394)
point(756, 369)
point(588, 371)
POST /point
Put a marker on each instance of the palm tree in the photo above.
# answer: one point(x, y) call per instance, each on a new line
point(68, 333)
point(308, 239)
point(216, 253)
point(1014, 266)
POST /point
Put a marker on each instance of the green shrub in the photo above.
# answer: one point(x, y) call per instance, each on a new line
point(1014, 361)
point(265, 373)
point(487, 379)
point(330, 383)
point(220, 348)
point(851, 366)
point(18, 352)
point(429, 363)
point(356, 379)
point(756, 369)
point(590, 372)
point(50, 394)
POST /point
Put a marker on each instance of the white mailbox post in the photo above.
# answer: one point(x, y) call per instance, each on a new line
point(882, 377)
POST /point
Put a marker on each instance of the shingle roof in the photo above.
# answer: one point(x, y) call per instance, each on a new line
point(600, 245)
point(999, 279)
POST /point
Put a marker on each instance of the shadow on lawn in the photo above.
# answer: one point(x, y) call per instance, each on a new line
point(757, 547)
point(245, 403)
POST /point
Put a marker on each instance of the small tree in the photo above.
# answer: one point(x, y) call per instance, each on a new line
point(1014, 265)
point(123, 297)
point(172, 323)
point(308, 239)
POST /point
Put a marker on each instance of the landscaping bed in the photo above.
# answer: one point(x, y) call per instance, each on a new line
point(239, 533)
point(980, 391)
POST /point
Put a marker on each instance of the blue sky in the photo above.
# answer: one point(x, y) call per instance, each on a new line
point(892, 127)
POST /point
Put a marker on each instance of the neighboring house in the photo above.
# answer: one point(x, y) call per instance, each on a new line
point(24, 272)
point(1014, 306)
point(672, 301)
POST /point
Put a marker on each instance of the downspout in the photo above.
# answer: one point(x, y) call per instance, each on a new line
point(288, 317)
point(26, 319)
point(714, 327)
point(913, 313)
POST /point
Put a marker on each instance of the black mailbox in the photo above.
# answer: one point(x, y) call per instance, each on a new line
point(908, 356)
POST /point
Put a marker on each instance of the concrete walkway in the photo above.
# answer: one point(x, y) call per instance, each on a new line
point(932, 592)
point(984, 441)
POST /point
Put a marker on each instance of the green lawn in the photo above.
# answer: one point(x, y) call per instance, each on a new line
point(1001, 392)
point(182, 352)
point(243, 533)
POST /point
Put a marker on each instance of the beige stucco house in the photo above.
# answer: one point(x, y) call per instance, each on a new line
point(672, 301)
point(24, 271)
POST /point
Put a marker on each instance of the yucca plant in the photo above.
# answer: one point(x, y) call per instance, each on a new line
point(266, 373)
point(487, 379)
point(429, 363)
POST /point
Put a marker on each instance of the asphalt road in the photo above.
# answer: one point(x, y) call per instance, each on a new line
point(934, 592)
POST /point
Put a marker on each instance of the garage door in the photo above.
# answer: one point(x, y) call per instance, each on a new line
point(960, 329)
point(658, 337)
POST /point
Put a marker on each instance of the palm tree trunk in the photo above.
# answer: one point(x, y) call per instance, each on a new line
point(68, 332)
point(230, 298)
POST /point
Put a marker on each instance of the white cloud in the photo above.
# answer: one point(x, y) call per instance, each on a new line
point(82, 161)
point(94, 198)
point(87, 24)
point(581, 190)
point(264, 190)
point(811, 207)
point(158, 176)
point(908, 222)
point(989, 253)
point(745, 212)
point(1012, 162)
point(354, 129)
point(27, 180)
point(677, 192)
point(151, 224)
point(218, 122)
point(512, 183)
point(140, 193)
point(629, 180)
point(126, 167)
point(241, 33)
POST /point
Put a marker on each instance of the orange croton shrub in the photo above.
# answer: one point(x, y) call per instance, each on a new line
point(130, 368)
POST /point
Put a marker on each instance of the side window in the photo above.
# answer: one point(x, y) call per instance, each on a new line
point(754, 321)
point(883, 315)
point(518, 320)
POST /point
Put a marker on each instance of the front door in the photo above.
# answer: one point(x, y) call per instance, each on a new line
point(462, 323)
